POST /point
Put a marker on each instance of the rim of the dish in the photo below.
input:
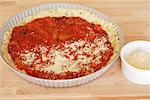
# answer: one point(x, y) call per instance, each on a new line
point(123, 58)
point(64, 5)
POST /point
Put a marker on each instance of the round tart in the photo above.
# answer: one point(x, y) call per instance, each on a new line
point(59, 47)
point(60, 42)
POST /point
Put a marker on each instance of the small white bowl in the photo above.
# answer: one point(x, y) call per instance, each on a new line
point(133, 74)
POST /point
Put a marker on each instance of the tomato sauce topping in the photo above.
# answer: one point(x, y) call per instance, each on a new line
point(59, 47)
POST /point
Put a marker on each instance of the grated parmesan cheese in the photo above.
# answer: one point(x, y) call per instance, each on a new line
point(62, 60)
point(139, 59)
point(28, 57)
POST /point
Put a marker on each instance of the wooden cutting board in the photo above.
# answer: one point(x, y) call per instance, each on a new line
point(134, 18)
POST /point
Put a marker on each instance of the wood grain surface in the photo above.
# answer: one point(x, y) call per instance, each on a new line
point(133, 16)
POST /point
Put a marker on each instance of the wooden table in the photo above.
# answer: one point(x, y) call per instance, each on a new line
point(133, 16)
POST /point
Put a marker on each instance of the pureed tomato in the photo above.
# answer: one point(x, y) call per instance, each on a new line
point(56, 32)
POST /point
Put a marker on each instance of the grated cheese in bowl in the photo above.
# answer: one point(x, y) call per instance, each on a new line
point(139, 59)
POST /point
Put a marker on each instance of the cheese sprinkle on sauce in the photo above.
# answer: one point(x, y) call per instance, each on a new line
point(73, 57)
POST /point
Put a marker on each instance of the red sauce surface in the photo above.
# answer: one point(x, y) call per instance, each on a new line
point(55, 30)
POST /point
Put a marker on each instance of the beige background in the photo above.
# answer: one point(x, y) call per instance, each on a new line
point(133, 16)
